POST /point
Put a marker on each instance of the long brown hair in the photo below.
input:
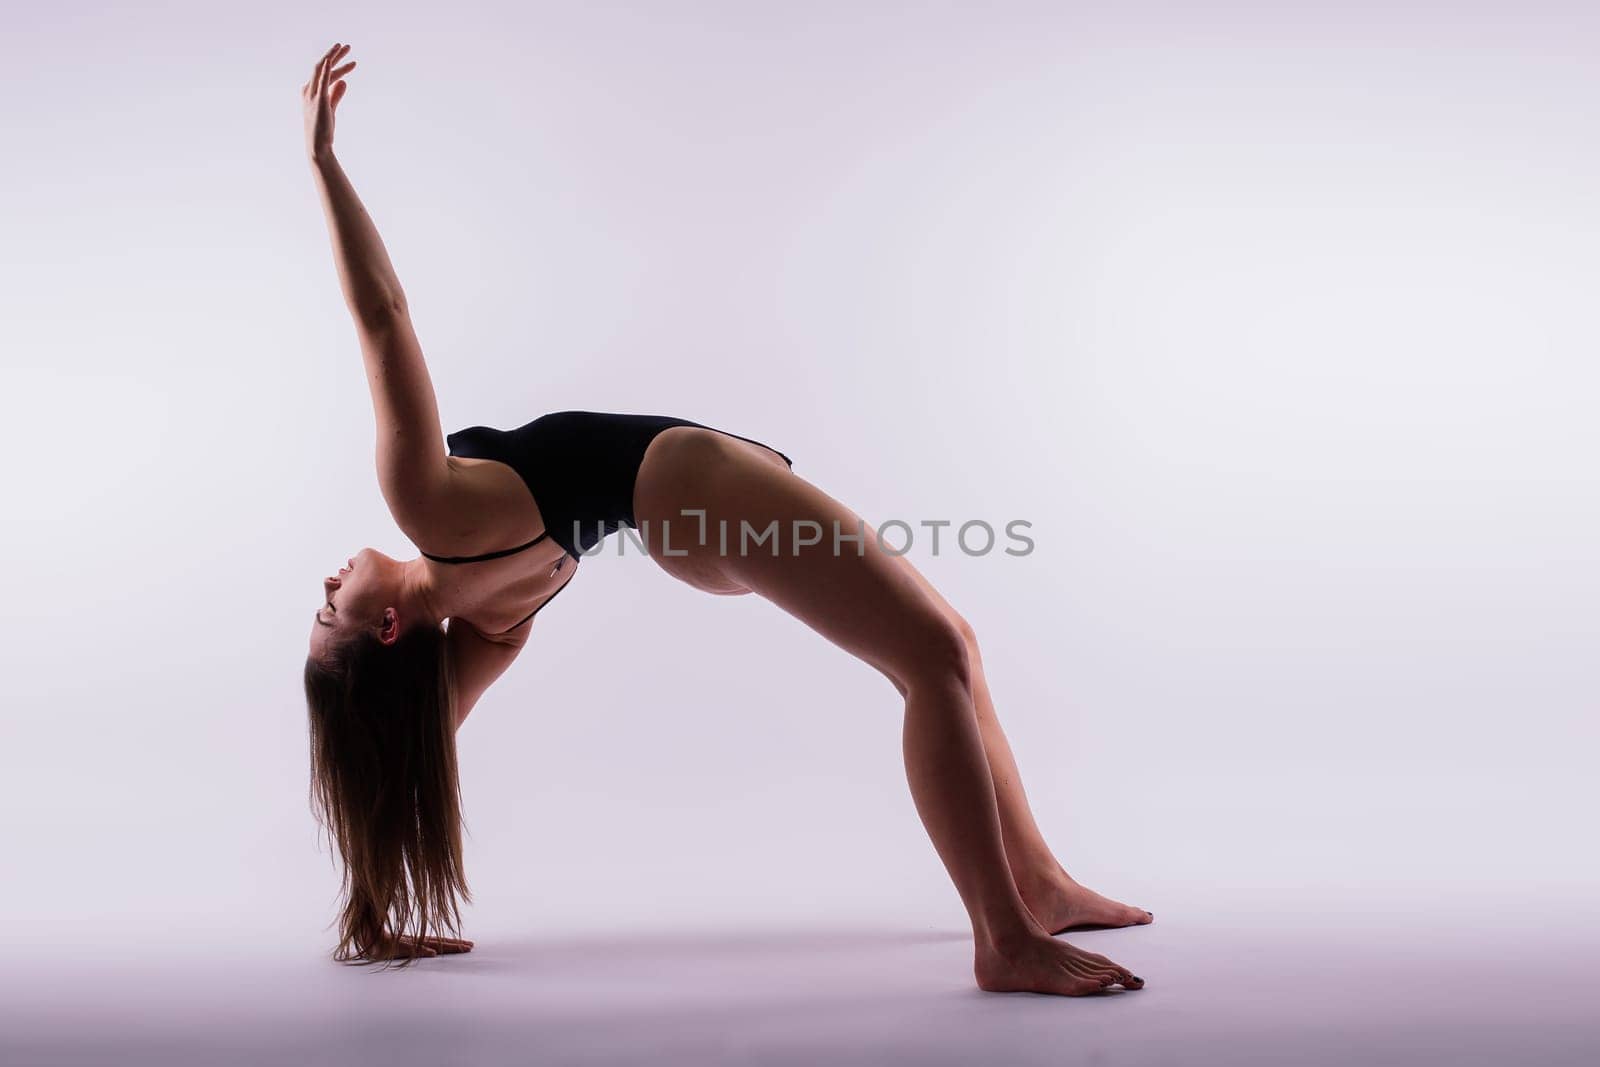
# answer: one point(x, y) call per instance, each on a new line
point(384, 787)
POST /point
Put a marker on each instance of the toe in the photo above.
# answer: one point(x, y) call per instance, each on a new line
point(1108, 972)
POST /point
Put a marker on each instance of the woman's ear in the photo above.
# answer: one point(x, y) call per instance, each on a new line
point(389, 628)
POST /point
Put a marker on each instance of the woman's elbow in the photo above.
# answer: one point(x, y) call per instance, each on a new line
point(381, 314)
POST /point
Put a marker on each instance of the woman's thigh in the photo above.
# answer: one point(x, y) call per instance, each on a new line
point(770, 531)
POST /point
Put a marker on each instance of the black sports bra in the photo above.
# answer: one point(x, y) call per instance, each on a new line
point(510, 552)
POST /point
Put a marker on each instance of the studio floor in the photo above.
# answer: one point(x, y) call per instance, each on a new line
point(1222, 990)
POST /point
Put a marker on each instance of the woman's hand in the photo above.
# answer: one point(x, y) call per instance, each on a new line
point(320, 96)
point(402, 947)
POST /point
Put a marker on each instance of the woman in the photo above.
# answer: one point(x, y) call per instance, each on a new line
point(505, 516)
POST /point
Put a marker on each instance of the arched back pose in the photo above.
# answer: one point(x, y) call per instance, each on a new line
point(401, 650)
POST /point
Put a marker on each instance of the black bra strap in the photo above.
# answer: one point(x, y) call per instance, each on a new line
point(487, 555)
point(547, 600)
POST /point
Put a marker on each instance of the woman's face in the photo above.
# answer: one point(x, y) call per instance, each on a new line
point(354, 599)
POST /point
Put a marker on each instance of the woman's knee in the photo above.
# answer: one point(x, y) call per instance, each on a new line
point(935, 653)
point(964, 628)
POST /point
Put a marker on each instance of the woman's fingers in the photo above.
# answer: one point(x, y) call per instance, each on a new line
point(338, 53)
point(332, 74)
point(315, 84)
point(322, 72)
point(319, 81)
point(326, 77)
point(430, 945)
point(316, 68)
point(409, 946)
point(336, 78)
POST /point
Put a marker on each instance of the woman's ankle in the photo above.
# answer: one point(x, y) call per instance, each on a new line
point(1003, 934)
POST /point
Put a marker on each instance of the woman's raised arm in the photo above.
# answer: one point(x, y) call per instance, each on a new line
point(412, 470)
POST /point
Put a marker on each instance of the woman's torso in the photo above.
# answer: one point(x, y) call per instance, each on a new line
point(563, 482)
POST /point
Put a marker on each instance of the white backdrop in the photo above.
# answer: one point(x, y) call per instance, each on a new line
point(1277, 324)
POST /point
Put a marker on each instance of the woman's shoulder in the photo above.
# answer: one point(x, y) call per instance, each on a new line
point(479, 505)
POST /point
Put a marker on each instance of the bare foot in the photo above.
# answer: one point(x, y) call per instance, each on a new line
point(1041, 964)
point(1060, 904)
